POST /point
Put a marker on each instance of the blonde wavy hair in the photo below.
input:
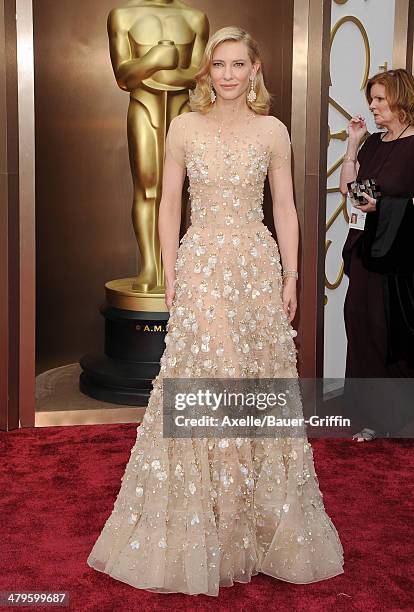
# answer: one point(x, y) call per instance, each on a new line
point(200, 98)
point(399, 91)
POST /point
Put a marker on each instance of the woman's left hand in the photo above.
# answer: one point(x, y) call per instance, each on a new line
point(289, 297)
point(370, 206)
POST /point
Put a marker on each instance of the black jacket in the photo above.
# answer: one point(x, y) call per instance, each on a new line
point(388, 237)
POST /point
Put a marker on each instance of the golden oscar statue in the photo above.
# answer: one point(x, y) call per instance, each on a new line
point(156, 47)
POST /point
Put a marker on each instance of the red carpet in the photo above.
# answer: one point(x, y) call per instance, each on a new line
point(58, 488)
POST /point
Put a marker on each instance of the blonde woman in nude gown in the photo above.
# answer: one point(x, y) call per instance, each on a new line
point(192, 515)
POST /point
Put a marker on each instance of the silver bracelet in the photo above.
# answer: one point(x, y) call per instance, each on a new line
point(290, 273)
point(348, 158)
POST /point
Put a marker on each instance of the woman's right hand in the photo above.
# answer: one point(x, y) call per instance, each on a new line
point(357, 128)
point(169, 293)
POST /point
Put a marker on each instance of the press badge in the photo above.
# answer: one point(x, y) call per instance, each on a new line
point(357, 218)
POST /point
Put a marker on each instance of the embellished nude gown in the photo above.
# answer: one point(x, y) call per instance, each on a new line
point(192, 515)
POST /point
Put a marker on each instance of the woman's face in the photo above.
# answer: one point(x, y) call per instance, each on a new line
point(231, 68)
point(379, 106)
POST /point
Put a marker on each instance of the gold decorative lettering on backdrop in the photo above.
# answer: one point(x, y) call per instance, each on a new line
point(342, 135)
point(358, 24)
point(338, 280)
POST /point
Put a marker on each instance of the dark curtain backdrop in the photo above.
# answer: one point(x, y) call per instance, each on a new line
point(84, 234)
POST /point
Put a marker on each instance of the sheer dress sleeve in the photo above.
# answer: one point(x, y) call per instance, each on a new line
point(281, 146)
point(175, 141)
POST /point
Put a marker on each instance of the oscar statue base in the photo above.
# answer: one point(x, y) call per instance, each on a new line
point(135, 328)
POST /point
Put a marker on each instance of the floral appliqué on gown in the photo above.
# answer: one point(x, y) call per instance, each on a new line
point(196, 514)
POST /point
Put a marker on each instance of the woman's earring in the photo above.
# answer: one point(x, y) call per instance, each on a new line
point(212, 95)
point(251, 96)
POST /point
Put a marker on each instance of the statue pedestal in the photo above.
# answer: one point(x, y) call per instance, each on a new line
point(135, 328)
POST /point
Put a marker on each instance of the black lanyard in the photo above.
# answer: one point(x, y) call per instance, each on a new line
point(391, 148)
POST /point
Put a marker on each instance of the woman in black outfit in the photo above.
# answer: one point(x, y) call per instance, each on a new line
point(389, 158)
